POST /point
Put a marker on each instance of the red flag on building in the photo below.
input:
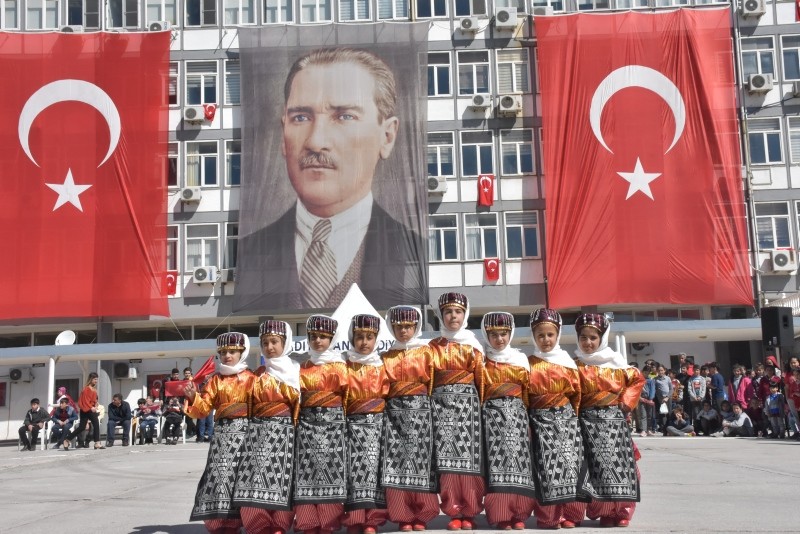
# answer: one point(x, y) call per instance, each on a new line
point(797, 10)
point(641, 154)
point(83, 209)
point(491, 268)
point(486, 190)
point(209, 110)
point(172, 282)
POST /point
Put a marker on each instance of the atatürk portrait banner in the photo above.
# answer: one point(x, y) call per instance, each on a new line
point(333, 188)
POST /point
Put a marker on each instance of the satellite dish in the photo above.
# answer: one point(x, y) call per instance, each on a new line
point(67, 337)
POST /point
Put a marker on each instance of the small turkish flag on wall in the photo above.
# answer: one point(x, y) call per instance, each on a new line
point(491, 267)
point(486, 190)
point(210, 110)
point(172, 282)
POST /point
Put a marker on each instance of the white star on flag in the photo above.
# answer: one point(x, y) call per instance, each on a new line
point(639, 180)
point(68, 192)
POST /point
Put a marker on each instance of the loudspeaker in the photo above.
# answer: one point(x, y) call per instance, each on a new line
point(777, 326)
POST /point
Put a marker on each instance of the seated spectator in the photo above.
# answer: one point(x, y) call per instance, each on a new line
point(739, 425)
point(34, 421)
point(677, 424)
point(707, 419)
point(147, 412)
point(173, 417)
point(755, 411)
point(775, 409)
point(725, 410)
point(119, 414)
point(63, 418)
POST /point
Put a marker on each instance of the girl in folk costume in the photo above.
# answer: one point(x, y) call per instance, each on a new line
point(320, 478)
point(227, 392)
point(366, 393)
point(554, 395)
point(456, 402)
point(407, 471)
point(509, 500)
point(263, 483)
point(610, 389)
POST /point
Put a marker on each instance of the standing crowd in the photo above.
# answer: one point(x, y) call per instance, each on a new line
point(355, 439)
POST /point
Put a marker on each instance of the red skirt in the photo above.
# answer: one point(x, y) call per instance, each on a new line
point(461, 495)
point(321, 516)
point(503, 507)
point(373, 517)
point(612, 510)
point(258, 520)
point(411, 506)
point(223, 526)
point(548, 516)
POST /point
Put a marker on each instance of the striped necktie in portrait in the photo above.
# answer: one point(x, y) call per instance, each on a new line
point(318, 274)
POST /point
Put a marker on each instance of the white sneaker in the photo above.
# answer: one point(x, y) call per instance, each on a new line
point(717, 435)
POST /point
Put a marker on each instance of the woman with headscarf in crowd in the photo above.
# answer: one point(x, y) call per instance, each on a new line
point(554, 395)
point(367, 387)
point(407, 468)
point(509, 472)
point(263, 491)
point(228, 392)
point(610, 389)
point(456, 400)
point(320, 478)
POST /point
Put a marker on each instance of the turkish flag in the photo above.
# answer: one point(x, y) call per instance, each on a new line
point(641, 154)
point(486, 190)
point(174, 388)
point(83, 205)
point(172, 282)
point(491, 268)
point(209, 110)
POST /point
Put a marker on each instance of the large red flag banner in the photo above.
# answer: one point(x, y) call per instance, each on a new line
point(83, 208)
point(641, 158)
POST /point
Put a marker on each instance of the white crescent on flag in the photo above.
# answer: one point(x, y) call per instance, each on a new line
point(482, 181)
point(491, 265)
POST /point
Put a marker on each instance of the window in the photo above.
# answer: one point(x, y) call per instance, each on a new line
point(480, 235)
point(772, 225)
point(431, 8)
point(172, 248)
point(518, 4)
point(557, 5)
point(278, 11)
point(233, 162)
point(516, 149)
point(591, 5)
point(442, 237)
point(473, 72)
point(764, 136)
point(232, 82)
point(633, 4)
point(522, 235)
point(671, 3)
point(202, 243)
point(201, 82)
point(315, 10)
point(162, 10)
point(540, 151)
point(465, 8)
point(9, 17)
point(201, 12)
point(172, 165)
point(791, 57)
point(42, 14)
point(393, 9)
point(512, 71)
point(476, 153)
point(354, 10)
point(239, 12)
point(231, 244)
point(201, 163)
point(439, 74)
point(123, 13)
point(758, 56)
point(172, 84)
point(441, 154)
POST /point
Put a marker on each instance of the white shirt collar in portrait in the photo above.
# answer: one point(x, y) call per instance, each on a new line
point(347, 232)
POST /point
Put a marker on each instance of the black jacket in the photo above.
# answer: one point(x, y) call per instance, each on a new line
point(119, 413)
point(34, 417)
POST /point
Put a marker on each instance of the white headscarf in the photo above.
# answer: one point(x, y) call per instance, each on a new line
point(604, 356)
point(241, 365)
point(556, 355)
point(328, 355)
point(373, 358)
point(462, 335)
point(509, 354)
point(282, 367)
point(415, 340)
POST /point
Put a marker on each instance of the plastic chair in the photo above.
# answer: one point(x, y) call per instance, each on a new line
point(44, 436)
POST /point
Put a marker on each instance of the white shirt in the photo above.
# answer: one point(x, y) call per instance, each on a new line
point(347, 232)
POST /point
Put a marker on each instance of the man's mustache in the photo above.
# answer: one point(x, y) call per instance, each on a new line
point(317, 159)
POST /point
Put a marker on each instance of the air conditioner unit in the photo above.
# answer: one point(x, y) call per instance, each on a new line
point(125, 371)
point(195, 114)
point(469, 24)
point(752, 8)
point(505, 18)
point(542, 11)
point(481, 101)
point(437, 184)
point(227, 275)
point(204, 275)
point(796, 89)
point(74, 28)
point(23, 374)
point(191, 194)
point(759, 83)
point(641, 349)
point(783, 260)
point(159, 26)
point(509, 105)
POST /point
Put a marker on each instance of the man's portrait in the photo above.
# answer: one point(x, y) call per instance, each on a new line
point(333, 178)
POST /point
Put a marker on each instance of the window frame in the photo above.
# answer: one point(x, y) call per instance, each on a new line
point(463, 145)
point(176, 155)
point(239, 10)
point(231, 238)
point(433, 73)
point(517, 79)
point(395, 9)
point(785, 61)
point(124, 15)
point(754, 132)
point(759, 221)
point(173, 243)
point(474, 74)
point(231, 73)
point(482, 233)
point(164, 11)
point(438, 147)
point(757, 52)
point(535, 226)
point(202, 156)
point(474, 11)
point(520, 145)
point(43, 11)
point(204, 13)
point(189, 76)
point(368, 17)
point(204, 241)
point(442, 231)
point(281, 6)
point(228, 154)
point(4, 14)
point(433, 5)
point(320, 6)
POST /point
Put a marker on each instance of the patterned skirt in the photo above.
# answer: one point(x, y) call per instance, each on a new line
point(611, 468)
point(408, 436)
point(264, 477)
point(557, 451)
point(508, 454)
point(364, 433)
point(321, 469)
point(214, 498)
point(457, 429)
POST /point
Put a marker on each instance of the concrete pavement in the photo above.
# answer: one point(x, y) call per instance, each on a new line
point(688, 485)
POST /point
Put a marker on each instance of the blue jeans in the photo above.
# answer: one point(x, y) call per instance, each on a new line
point(126, 430)
point(205, 426)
